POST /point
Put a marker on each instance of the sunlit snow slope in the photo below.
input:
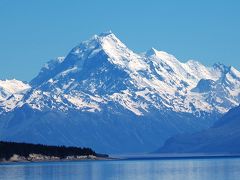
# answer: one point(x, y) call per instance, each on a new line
point(11, 92)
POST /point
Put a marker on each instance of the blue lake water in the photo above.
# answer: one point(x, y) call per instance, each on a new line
point(171, 169)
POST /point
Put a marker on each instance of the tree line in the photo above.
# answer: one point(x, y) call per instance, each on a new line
point(8, 149)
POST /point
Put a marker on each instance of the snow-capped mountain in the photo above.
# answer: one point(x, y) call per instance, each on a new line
point(11, 92)
point(105, 96)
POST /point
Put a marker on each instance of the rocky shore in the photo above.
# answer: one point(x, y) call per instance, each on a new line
point(42, 158)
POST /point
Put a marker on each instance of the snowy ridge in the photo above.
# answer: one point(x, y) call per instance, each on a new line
point(13, 86)
point(168, 82)
point(11, 92)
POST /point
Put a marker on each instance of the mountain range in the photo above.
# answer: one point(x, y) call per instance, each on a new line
point(222, 137)
point(104, 96)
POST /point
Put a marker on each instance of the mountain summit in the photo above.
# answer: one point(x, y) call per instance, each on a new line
point(104, 96)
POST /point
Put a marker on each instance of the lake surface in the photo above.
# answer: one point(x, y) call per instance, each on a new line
point(169, 169)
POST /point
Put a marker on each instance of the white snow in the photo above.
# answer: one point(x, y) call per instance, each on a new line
point(13, 86)
point(11, 93)
point(81, 104)
point(155, 79)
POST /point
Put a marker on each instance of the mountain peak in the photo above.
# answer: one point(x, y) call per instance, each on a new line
point(105, 40)
point(105, 43)
point(107, 33)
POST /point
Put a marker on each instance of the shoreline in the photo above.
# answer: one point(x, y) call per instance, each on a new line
point(123, 157)
point(176, 156)
point(19, 159)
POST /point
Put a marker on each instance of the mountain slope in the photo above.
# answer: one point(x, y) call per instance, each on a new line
point(9, 87)
point(11, 92)
point(222, 137)
point(104, 96)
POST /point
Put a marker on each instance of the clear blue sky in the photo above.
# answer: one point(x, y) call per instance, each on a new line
point(32, 32)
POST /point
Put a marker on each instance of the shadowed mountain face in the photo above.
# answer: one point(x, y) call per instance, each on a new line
point(104, 96)
point(222, 137)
